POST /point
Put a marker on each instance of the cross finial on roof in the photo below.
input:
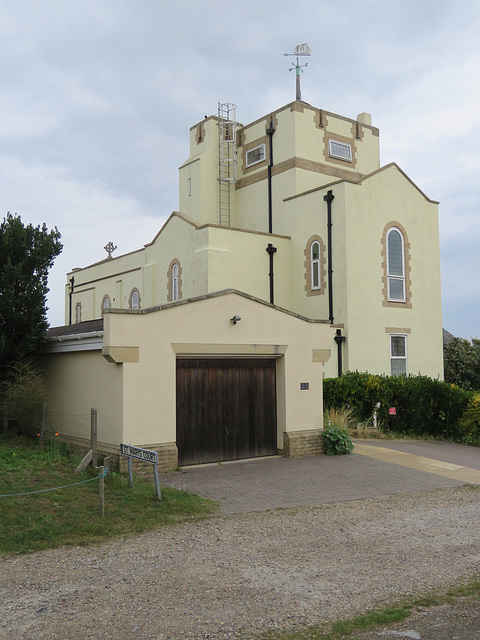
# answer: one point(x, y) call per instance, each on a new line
point(110, 248)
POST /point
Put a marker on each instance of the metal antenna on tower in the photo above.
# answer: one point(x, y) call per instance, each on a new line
point(300, 50)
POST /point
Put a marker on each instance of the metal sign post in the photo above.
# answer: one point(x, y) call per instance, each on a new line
point(145, 455)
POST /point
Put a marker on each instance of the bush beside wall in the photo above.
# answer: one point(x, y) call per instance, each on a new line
point(423, 406)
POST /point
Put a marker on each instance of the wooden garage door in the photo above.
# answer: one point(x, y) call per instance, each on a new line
point(226, 409)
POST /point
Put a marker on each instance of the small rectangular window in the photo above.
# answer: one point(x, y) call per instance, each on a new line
point(256, 155)
point(398, 355)
point(340, 150)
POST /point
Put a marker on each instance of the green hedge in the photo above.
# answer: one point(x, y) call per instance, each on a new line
point(469, 424)
point(423, 406)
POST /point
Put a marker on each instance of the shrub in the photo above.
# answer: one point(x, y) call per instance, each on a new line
point(469, 423)
point(338, 418)
point(461, 361)
point(336, 441)
point(423, 406)
point(22, 395)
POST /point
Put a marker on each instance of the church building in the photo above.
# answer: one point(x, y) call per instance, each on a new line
point(291, 220)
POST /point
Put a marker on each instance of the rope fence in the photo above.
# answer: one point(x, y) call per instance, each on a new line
point(65, 486)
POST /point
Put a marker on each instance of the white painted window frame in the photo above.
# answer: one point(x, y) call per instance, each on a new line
point(174, 282)
point(135, 296)
point(405, 357)
point(338, 156)
point(391, 277)
point(315, 266)
point(250, 151)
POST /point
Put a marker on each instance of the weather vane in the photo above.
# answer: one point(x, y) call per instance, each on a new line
point(110, 248)
point(300, 50)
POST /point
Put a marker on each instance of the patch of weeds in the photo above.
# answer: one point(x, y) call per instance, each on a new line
point(69, 516)
point(348, 628)
point(371, 620)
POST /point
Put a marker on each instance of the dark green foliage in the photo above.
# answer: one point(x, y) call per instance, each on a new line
point(26, 255)
point(469, 424)
point(461, 363)
point(22, 395)
point(423, 406)
point(336, 441)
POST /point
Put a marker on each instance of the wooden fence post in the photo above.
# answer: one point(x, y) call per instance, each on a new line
point(101, 486)
point(93, 436)
point(101, 491)
point(42, 426)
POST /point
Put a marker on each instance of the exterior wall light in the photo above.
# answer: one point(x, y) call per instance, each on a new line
point(235, 319)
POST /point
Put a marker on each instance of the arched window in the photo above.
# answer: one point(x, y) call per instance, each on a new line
point(315, 268)
point(395, 265)
point(134, 301)
point(315, 264)
point(106, 302)
point(175, 282)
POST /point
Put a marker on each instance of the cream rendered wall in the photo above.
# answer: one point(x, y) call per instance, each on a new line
point(204, 327)
point(104, 278)
point(306, 216)
point(301, 160)
point(176, 240)
point(198, 176)
point(382, 198)
point(79, 381)
point(239, 260)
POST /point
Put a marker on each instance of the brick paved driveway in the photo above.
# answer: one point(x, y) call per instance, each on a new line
point(278, 482)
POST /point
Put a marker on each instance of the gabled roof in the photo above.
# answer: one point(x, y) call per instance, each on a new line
point(395, 165)
point(361, 180)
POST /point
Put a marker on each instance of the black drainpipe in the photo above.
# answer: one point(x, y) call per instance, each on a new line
point(70, 295)
point(339, 339)
point(329, 199)
point(270, 131)
point(271, 250)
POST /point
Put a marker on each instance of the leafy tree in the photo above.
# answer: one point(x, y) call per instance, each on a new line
point(26, 255)
point(461, 360)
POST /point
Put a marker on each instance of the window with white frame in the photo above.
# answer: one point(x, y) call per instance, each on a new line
point(106, 302)
point(255, 155)
point(340, 150)
point(315, 264)
point(134, 299)
point(396, 265)
point(398, 355)
point(174, 282)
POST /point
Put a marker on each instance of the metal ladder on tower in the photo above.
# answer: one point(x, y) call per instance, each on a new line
point(227, 159)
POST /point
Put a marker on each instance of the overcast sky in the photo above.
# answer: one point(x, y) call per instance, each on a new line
point(97, 98)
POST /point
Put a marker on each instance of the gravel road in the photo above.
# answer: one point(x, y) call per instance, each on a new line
point(233, 576)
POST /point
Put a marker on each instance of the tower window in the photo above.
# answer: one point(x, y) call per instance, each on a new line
point(340, 150)
point(255, 155)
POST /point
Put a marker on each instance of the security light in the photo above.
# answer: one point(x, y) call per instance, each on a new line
point(235, 319)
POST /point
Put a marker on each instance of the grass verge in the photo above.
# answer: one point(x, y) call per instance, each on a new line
point(70, 516)
point(382, 617)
